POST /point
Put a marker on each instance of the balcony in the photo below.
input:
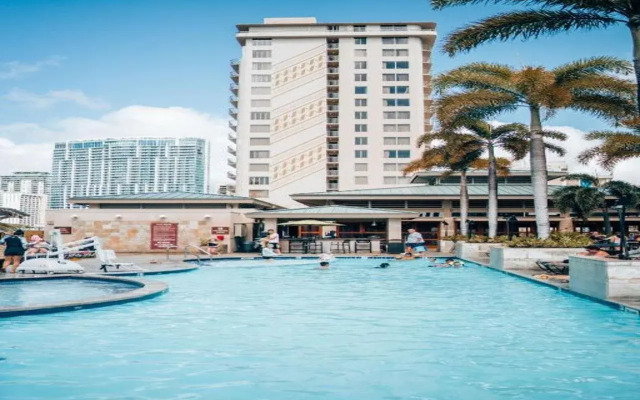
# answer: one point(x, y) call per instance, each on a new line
point(233, 126)
point(231, 163)
point(332, 187)
point(235, 76)
point(332, 121)
point(333, 46)
point(332, 146)
point(231, 176)
point(332, 160)
point(333, 84)
point(233, 113)
point(333, 61)
point(232, 138)
point(233, 100)
point(235, 64)
point(332, 173)
point(234, 88)
point(231, 150)
point(333, 71)
point(332, 133)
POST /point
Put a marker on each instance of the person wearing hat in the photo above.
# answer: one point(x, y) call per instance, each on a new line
point(15, 246)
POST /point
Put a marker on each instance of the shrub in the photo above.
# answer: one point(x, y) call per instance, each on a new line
point(555, 240)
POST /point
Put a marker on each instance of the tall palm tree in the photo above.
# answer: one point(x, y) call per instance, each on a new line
point(483, 90)
point(616, 146)
point(583, 201)
point(592, 182)
point(545, 17)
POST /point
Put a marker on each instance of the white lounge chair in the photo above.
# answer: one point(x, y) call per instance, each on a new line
point(108, 260)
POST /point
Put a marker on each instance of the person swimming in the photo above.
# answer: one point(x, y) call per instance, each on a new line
point(448, 263)
point(383, 265)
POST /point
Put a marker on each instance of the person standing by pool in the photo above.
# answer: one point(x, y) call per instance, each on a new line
point(14, 250)
point(274, 241)
point(414, 239)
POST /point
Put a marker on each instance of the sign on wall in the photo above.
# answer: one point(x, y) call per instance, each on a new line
point(219, 230)
point(164, 235)
point(64, 230)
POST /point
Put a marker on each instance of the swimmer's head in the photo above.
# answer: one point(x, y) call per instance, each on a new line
point(384, 265)
point(324, 263)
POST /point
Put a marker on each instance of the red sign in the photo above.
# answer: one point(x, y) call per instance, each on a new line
point(164, 235)
point(64, 230)
point(219, 230)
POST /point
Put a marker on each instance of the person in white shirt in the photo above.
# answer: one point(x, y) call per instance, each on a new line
point(414, 239)
point(274, 241)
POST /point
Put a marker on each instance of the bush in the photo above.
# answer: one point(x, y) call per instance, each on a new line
point(555, 240)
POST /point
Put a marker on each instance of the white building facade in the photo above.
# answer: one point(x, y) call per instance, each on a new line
point(26, 182)
point(128, 166)
point(327, 107)
point(33, 204)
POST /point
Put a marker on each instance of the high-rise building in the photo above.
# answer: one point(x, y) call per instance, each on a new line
point(128, 166)
point(327, 107)
point(227, 190)
point(34, 205)
point(26, 182)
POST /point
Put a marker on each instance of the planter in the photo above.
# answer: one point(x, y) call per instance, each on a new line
point(604, 278)
point(475, 251)
point(524, 258)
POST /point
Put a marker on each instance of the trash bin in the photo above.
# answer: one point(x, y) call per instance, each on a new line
point(238, 241)
point(395, 247)
point(248, 247)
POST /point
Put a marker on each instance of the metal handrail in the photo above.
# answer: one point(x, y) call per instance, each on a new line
point(201, 250)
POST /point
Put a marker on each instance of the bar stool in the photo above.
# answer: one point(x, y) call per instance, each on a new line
point(314, 247)
point(336, 247)
point(363, 245)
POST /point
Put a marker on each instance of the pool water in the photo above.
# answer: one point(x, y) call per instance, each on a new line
point(351, 332)
point(21, 293)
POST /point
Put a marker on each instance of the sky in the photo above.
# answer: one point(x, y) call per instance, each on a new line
point(82, 69)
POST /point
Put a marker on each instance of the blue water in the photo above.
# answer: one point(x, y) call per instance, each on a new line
point(42, 292)
point(352, 332)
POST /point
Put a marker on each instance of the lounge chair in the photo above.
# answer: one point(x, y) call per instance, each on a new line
point(554, 267)
point(108, 260)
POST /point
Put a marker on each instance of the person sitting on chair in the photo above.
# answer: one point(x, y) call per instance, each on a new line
point(37, 245)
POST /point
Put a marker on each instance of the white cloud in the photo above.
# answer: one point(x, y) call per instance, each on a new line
point(55, 97)
point(29, 147)
point(17, 69)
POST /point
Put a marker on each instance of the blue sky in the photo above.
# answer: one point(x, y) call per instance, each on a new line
point(69, 60)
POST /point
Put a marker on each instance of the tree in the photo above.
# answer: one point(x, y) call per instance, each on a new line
point(583, 201)
point(616, 146)
point(545, 17)
point(484, 90)
point(592, 182)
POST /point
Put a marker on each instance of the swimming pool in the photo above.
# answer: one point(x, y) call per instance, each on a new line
point(351, 332)
point(30, 292)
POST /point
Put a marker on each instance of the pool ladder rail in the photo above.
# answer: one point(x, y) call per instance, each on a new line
point(197, 254)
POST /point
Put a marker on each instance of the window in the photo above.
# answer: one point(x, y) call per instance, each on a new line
point(402, 102)
point(258, 180)
point(399, 141)
point(261, 90)
point(260, 78)
point(393, 27)
point(389, 115)
point(388, 77)
point(361, 90)
point(395, 89)
point(390, 141)
point(361, 128)
point(395, 40)
point(404, 154)
point(360, 52)
point(395, 53)
point(402, 53)
point(390, 167)
point(361, 115)
point(260, 115)
point(259, 128)
point(259, 154)
point(333, 27)
point(402, 89)
point(257, 66)
point(404, 115)
point(402, 77)
point(261, 103)
point(360, 65)
point(388, 52)
point(259, 193)
point(361, 167)
point(388, 102)
point(361, 77)
point(402, 64)
point(361, 141)
point(390, 128)
point(261, 54)
point(404, 128)
point(361, 154)
point(259, 167)
point(361, 102)
point(262, 42)
point(402, 40)
point(361, 180)
point(397, 154)
point(360, 40)
point(359, 28)
point(258, 141)
point(404, 140)
point(388, 64)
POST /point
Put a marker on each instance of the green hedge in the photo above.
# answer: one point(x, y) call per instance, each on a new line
point(556, 239)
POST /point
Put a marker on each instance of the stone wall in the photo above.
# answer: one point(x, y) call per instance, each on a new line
point(604, 278)
point(474, 251)
point(518, 258)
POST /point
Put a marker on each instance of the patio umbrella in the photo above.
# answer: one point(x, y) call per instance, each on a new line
point(314, 222)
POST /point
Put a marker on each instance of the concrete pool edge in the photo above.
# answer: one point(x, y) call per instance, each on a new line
point(145, 290)
point(609, 303)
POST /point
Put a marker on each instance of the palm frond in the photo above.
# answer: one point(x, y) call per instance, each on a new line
point(477, 104)
point(559, 150)
point(555, 135)
point(524, 24)
point(615, 147)
point(605, 106)
point(588, 67)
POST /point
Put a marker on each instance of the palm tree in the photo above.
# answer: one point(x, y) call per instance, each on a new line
point(616, 146)
point(592, 182)
point(483, 90)
point(545, 17)
point(581, 200)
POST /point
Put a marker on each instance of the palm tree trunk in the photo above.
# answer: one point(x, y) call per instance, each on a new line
point(464, 203)
point(607, 222)
point(635, 35)
point(492, 211)
point(539, 174)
